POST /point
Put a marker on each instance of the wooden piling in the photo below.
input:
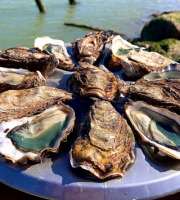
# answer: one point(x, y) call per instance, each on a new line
point(72, 2)
point(41, 6)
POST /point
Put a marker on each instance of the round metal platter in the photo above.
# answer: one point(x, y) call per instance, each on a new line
point(55, 179)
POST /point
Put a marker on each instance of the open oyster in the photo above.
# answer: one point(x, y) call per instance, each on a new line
point(137, 64)
point(91, 81)
point(89, 48)
point(31, 59)
point(19, 79)
point(157, 127)
point(107, 145)
point(119, 50)
point(33, 137)
point(22, 103)
point(161, 88)
point(57, 48)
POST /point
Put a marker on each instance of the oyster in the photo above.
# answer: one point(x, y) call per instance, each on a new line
point(31, 59)
point(160, 88)
point(157, 127)
point(56, 47)
point(33, 137)
point(19, 79)
point(137, 64)
point(89, 48)
point(119, 50)
point(90, 81)
point(171, 73)
point(107, 144)
point(22, 103)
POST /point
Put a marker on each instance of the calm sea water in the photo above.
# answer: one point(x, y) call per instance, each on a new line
point(21, 22)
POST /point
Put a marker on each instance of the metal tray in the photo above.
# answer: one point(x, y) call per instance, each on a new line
point(55, 179)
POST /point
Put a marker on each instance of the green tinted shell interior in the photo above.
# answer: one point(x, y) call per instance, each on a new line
point(157, 127)
point(42, 132)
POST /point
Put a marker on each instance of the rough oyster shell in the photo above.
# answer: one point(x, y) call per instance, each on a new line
point(11, 79)
point(91, 81)
point(156, 90)
point(89, 48)
point(56, 47)
point(107, 146)
point(33, 137)
point(137, 64)
point(31, 59)
point(22, 103)
point(119, 50)
point(157, 127)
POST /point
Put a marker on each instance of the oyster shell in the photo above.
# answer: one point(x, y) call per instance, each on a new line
point(22, 103)
point(157, 127)
point(137, 64)
point(89, 48)
point(90, 81)
point(31, 59)
point(33, 137)
point(119, 50)
point(19, 79)
point(57, 48)
point(107, 144)
point(156, 90)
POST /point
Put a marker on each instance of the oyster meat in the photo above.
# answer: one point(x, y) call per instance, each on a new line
point(137, 64)
point(11, 79)
point(119, 50)
point(57, 48)
point(31, 59)
point(22, 103)
point(90, 81)
point(33, 137)
point(156, 127)
point(107, 144)
point(160, 88)
point(89, 48)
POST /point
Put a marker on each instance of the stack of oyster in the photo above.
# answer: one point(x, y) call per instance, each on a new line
point(35, 120)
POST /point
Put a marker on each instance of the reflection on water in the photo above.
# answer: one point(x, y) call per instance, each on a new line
point(21, 22)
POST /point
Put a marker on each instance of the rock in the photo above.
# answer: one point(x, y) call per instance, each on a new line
point(165, 25)
point(168, 47)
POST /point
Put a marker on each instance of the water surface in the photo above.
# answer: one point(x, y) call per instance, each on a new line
point(21, 22)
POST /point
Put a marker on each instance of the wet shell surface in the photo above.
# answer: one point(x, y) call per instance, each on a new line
point(57, 48)
point(16, 104)
point(138, 64)
point(91, 81)
point(156, 127)
point(19, 79)
point(119, 50)
point(89, 48)
point(107, 144)
point(159, 88)
point(31, 59)
point(33, 137)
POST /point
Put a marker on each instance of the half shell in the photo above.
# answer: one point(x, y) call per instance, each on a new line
point(57, 48)
point(91, 81)
point(119, 50)
point(33, 60)
point(19, 79)
point(106, 146)
point(33, 137)
point(156, 127)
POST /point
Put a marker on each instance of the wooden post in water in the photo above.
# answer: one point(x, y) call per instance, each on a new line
point(72, 2)
point(40, 6)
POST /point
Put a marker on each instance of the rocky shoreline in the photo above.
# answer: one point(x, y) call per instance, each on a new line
point(162, 35)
